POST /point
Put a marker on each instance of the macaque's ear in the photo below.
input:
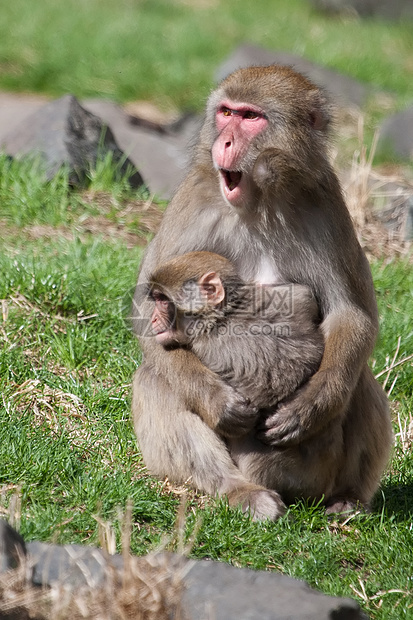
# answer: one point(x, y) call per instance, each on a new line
point(211, 287)
point(318, 120)
point(319, 113)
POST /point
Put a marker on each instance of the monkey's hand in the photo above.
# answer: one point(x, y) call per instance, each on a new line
point(275, 169)
point(303, 414)
point(224, 409)
point(282, 427)
point(238, 417)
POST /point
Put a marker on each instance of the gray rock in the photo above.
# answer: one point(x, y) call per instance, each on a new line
point(218, 590)
point(75, 565)
point(64, 133)
point(393, 207)
point(15, 108)
point(343, 88)
point(161, 155)
point(210, 589)
point(389, 9)
point(12, 547)
point(160, 152)
point(396, 134)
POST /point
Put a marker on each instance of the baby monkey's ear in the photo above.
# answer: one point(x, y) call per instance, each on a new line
point(211, 288)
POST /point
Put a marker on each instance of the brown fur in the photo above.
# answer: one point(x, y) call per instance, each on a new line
point(290, 225)
point(262, 340)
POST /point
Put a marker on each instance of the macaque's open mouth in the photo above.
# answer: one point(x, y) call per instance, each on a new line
point(232, 178)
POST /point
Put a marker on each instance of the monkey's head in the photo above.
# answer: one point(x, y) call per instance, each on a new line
point(257, 109)
point(187, 289)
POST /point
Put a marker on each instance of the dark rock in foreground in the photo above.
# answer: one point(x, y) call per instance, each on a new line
point(65, 134)
point(202, 589)
point(242, 594)
point(342, 87)
point(12, 547)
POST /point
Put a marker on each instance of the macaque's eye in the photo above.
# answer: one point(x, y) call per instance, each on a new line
point(159, 298)
point(250, 115)
point(225, 111)
point(163, 302)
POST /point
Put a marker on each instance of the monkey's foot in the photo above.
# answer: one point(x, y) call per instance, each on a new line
point(343, 507)
point(259, 502)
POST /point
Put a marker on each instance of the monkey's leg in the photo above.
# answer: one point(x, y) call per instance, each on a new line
point(177, 443)
point(368, 438)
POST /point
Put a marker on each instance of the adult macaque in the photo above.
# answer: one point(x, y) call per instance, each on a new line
point(262, 193)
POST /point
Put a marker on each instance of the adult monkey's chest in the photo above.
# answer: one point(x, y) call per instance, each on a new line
point(256, 261)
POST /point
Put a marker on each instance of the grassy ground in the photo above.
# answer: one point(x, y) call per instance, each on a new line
point(68, 456)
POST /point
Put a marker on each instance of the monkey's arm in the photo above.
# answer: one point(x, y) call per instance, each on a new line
point(349, 338)
point(201, 391)
point(345, 292)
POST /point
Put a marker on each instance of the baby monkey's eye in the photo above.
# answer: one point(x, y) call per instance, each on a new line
point(157, 295)
point(225, 111)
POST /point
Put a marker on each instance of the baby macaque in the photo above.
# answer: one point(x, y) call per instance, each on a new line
point(263, 340)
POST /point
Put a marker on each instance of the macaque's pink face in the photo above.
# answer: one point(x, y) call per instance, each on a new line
point(163, 319)
point(176, 312)
point(237, 123)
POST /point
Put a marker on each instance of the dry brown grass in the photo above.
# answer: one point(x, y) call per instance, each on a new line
point(365, 189)
point(45, 401)
point(148, 588)
point(132, 222)
point(145, 588)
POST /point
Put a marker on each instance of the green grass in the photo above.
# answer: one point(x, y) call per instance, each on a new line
point(67, 449)
point(68, 265)
point(167, 50)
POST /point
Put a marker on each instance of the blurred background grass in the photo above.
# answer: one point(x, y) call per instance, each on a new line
point(167, 50)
